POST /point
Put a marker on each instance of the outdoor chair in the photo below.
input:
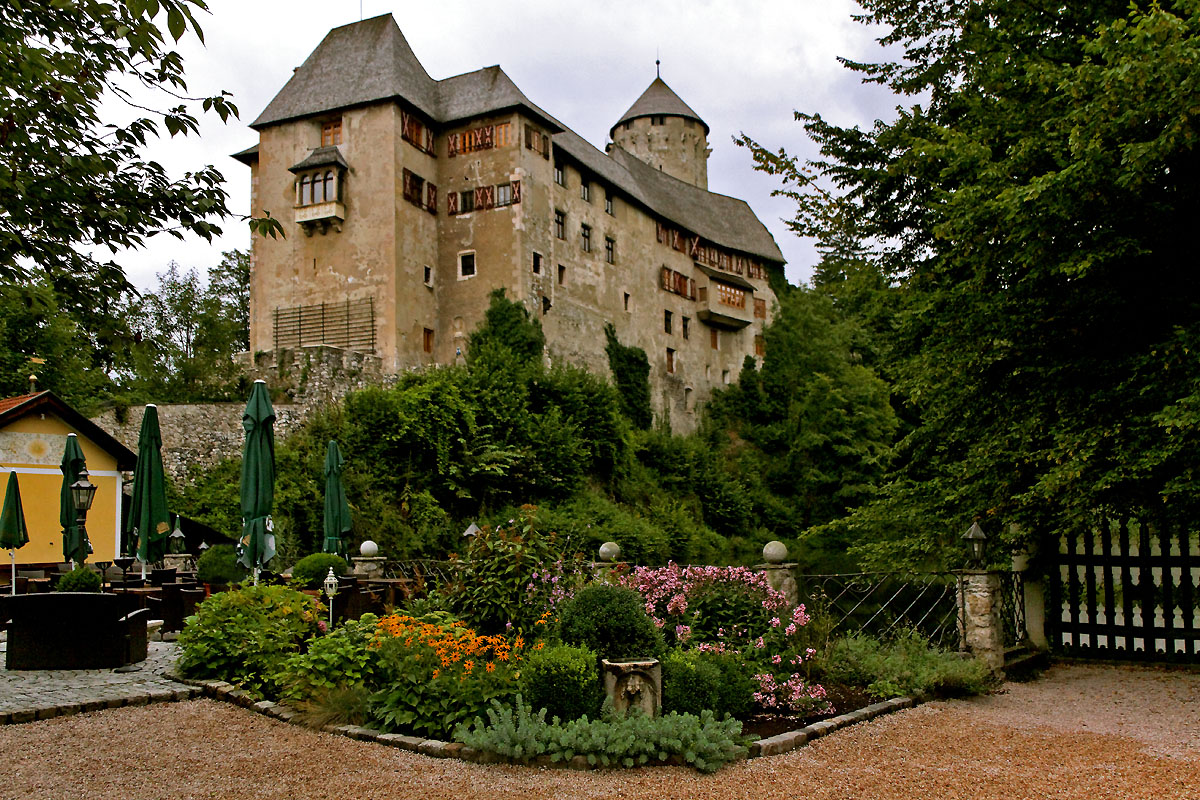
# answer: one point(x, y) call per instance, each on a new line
point(73, 630)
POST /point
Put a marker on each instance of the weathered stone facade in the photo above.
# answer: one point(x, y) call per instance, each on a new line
point(406, 201)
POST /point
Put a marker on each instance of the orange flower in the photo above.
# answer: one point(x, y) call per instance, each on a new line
point(490, 667)
point(539, 646)
point(436, 672)
point(468, 665)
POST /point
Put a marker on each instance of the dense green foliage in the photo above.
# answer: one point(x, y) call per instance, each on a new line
point(563, 680)
point(343, 658)
point(690, 683)
point(613, 741)
point(611, 621)
point(314, 568)
point(218, 564)
point(631, 375)
point(80, 579)
point(1018, 242)
point(246, 635)
point(907, 665)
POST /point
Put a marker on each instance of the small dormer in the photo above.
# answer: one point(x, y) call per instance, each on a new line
point(320, 182)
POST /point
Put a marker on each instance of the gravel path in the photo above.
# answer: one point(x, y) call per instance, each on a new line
point(1086, 732)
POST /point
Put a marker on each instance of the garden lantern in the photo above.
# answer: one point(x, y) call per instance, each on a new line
point(178, 543)
point(83, 492)
point(976, 538)
point(331, 588)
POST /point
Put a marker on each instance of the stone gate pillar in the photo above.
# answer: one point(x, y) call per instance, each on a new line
point(979, 624)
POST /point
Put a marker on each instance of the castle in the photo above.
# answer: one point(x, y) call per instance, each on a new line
point(407, 200)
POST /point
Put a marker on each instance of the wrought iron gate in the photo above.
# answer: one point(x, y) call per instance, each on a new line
point(1126, 590)
point(349, 324)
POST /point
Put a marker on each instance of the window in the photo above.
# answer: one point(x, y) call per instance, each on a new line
point(626, 301)
point(760, 308)
point(585, 238)
point(318, 187)
point(414, 188)
point(331, 133)
point(608, 203)
point(504, 194)
point(730, 296)
point(427, 340)
point(537, 141)
point(545, 305)
point(585, 191)
point(760, 346)
point(482, 138)
point(725, 377)
point(466, 265)
point(667, 319)
point(560, 175)
point(429, 276)
point(702, 294)
point(610, 250)
point(658, 120)
point(466, 201)
point(560, 225)
point(562, 275)
point(677, 283)
point(714, 339)
point(684, 324)
point(537, 263)
point(416, 133)
point(503, 134)
point(670, 360)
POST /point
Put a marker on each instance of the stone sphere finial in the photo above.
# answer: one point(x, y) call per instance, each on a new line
point(610, 551)
point(775, 552)
point(368, 549)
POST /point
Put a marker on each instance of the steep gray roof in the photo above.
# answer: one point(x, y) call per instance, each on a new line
point(321, 157)
point(358, 63)
point(659, 100)
point(370, 61)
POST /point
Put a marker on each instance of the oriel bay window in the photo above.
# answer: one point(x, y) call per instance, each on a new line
point(319, 189)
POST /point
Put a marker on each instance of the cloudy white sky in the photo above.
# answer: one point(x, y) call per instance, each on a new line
point(742, 65)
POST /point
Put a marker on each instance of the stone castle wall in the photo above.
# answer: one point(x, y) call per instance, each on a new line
point(199, 435)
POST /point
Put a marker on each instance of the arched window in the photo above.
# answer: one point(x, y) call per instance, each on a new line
point(318, 189)
point(305, 191)
point(330, 189)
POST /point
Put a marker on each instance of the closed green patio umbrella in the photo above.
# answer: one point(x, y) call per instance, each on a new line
point(257, 545)
point(13, 533)
point(75, 541)
point(148, 523)
point(337, 510)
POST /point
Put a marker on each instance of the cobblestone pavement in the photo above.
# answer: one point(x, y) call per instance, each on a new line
point(26, 695)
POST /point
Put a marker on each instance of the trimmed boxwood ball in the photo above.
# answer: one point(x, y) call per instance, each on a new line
point(80, 579)
point(218, 564)
point(564, 680)
point(312, 569)
point(612, 622)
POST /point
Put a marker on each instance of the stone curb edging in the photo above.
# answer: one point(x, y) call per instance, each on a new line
point(774, 745)
point(68, 709)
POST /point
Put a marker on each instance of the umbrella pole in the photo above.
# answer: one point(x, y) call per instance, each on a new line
point(256, 576)
point(12, 578)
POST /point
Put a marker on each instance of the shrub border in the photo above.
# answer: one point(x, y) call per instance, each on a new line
point(773, 745)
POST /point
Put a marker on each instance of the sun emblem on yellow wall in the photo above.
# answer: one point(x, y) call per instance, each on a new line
point(37, 448)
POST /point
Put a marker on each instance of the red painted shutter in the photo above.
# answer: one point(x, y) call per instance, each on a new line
point(452, 203)
point(516, 192)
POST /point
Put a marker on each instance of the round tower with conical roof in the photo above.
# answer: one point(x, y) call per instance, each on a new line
point(660, 129)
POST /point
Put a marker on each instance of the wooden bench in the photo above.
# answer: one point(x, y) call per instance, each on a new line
point(73, 630)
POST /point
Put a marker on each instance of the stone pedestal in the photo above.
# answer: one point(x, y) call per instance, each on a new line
point(979, 617)
point(182, 562)
point(782, 578)
point(633, 683)
point(366, 567)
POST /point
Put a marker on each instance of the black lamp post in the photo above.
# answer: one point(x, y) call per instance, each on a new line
point(83, 492)
point(976, 538)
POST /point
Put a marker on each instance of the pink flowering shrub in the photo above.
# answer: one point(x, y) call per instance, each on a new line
point(734, 611)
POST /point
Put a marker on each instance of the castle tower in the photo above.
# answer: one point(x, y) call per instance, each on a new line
point(663, 131)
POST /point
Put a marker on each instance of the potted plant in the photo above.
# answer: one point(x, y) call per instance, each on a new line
point(218, 567)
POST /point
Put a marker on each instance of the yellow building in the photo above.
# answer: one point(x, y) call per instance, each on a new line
point(33, 433)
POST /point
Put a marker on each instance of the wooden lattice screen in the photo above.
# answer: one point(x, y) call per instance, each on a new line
point(349, 325)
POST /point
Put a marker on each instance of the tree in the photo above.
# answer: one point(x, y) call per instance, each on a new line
point(188, 333)
point(1035, 214)
point(72, 179)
